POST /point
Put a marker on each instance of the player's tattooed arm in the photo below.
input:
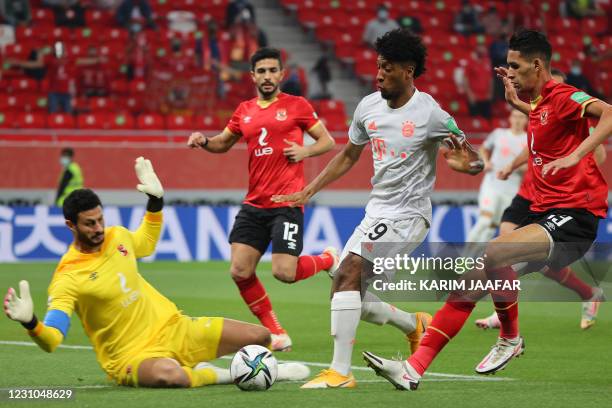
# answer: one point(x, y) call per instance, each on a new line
point(603, 130)
point(220, 143)
point(338, 166)
point(510, 92)
point(462, 157)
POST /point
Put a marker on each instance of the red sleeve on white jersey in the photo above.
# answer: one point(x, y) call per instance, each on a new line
point(234, 123)
point(306, 117)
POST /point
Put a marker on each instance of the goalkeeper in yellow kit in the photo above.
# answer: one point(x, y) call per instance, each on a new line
point(139, 336)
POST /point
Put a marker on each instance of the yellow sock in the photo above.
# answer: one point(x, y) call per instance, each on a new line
point(201, 377)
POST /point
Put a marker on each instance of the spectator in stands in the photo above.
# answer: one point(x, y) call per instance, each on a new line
point(579, 9)
point(410, 23)
point(467, 21)
point(497, 53)
point(125, 9)
point(525, 14)
point(235, 9)
point(323, 74)
point(479, 83)
point(576, 77)
point(378, 26)
point(244, 42)
point(60, 75)
point(208, 55)
point(71, 177)
point(69, 13)
point(492, 22)
point(138, 56)
point(292, 84)
point(15, 12)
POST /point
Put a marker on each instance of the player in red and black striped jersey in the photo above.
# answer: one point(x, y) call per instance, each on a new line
point(569, 197)
point(273, 126)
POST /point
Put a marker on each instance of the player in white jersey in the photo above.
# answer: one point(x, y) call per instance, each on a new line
point(405, 128)
point(498, 150)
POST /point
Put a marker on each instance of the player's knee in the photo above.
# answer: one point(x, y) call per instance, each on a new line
point(283, 273)
point(259, 335)
point(240, 272)
point(349, 273)
point(494, 254)
point(169, 375)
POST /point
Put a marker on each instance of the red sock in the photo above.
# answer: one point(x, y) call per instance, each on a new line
point(256, 298)
point(568, 278)
point(445, 325)
point(308, 265)
point(506, 302)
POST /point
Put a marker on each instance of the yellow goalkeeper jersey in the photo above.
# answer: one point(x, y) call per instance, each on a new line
point(119, 310)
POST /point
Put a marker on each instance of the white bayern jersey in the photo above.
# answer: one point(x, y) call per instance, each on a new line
point(405, 145)
point(505, 147)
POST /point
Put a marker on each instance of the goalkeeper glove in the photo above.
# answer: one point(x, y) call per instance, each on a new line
point(149, 183)
point(20, 309)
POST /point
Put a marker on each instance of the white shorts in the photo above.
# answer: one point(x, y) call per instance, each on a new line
point(494, 201)
point(408, 233)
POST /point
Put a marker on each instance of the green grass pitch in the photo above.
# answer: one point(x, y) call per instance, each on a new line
point(562, 367)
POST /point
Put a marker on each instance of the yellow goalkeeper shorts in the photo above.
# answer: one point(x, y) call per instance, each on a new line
point(188, 340)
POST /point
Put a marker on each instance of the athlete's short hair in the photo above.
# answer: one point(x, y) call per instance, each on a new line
point(401, 45)
point(558, 72)
point(67, 151)
point(265, 53)
point(531, 44)
point(82, 199)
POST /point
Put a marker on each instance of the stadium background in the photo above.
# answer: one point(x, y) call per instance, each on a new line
point(159, 79)
point(167, 97)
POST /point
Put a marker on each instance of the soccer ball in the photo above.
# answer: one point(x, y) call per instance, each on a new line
point(254, 368)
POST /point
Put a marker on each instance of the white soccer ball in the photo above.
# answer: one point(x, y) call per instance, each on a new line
point(254, 368)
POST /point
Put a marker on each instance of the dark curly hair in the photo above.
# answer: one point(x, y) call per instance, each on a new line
point(401, 45)
point(265, 53)
point(531, 44)
point(78, 201)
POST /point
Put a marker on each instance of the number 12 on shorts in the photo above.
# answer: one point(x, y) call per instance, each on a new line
point(289, 234)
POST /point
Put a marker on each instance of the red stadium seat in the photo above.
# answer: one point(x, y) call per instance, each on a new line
point(60, 121)
point(31, 120)
point(97, 120)
point(179, 122)
point(122, 121)
point(335, 122)
point(206, 122)
point(101, 104)
point(150, 121)
point(7, 119)
point(24, 85)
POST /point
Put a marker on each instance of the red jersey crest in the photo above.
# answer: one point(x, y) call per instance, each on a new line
point(281, 114)
point(122, 249)
point(544, 116)
point(407, 128)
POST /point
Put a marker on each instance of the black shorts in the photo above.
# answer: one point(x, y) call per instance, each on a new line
point(518, 210)
point(256, 227)
point(572, 231)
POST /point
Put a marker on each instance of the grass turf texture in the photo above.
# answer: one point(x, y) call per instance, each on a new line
point(563, 366)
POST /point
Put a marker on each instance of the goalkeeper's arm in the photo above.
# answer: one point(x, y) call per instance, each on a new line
point(149, 184)
point(47, 335)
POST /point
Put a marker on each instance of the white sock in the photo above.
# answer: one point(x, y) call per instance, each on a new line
point(345, 312)
point(374, 310)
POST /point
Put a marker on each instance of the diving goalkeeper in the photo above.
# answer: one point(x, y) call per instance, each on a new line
point(139, 336)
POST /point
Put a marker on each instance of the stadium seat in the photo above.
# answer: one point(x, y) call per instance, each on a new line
point(150, 121)
point(179, 122)
point(97, 120)
point(206, 122)
point(31, 120)
point(60, 121)
point(7, 119)
point(121, 121)
point(24, 85)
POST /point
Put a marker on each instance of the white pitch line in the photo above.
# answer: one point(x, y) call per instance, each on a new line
point(446, 376)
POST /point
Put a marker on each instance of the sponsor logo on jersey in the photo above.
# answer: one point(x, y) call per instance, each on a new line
point(544, 116)
point(122, 250)
point(264, 149)
point(372, 126)
point(407, 128)
point(281, 115)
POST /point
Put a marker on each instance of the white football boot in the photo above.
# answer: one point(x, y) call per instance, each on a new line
point(281, 342)
point(500, 355)
point(334, 253)
point(399, 373)
point(292, 372)
point(590, 309)
point(491, 322)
